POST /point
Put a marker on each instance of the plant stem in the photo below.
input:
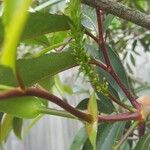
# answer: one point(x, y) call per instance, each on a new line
point(119, 117)
point(38, 92)
point(101, 41)
point(56, 112)
point(120, 103)
point(135, 124)
point(17, 92)
point(109, 67)
point(91, 35)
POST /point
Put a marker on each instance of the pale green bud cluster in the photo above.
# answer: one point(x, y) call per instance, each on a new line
point(77, 45)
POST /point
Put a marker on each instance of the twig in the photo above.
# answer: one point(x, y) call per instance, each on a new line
point(48, 96)
point(91, 35)
point(101, 41)
point(17, 92)
point(119, 117)
point(109, 67)
point(121, 11)
point(120, 103)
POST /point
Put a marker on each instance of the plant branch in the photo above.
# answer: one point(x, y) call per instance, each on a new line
point(120, 103)
point(118, 81)
point(109, 67)
point(121, 11)
point(101, 41)
point(17, 92)
point(120, 117)
point(91, 35)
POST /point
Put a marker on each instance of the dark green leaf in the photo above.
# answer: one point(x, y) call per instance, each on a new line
point(108, 134)
point(6, 126)
point(42, 23)
point(17, 127)
point(79, 139)
point(39, 24)
point(105, 104)
point(34, 69)
point(87, 145)
point(144, 142)
point(102, 105)
point(40, 40)
point(118, 67)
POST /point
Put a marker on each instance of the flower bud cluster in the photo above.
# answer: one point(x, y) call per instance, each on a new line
point(79, 53)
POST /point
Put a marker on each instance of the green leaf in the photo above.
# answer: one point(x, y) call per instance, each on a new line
point(105, 104)
point(47, 83)
point(22, 107)
point(43, 23)
point(79, 139)
point(34, 69)
point(118, 67)
point(92, 127)
point(107, 22)
point(41, 40)
point(108, 134)
point(5, 127)
point(144, 142)
point(17, 127)
point(39, 24)
point(102, 105)
point(16, 15)
point(62, 88)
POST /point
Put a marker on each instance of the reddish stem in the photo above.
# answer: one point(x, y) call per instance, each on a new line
point(120, 117)
point(48, 96)
point(101, 41)
point(91, 35)
point(119, 102)
point(109, 67)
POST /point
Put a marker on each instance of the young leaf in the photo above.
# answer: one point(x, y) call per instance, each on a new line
point(16, 15)
point(62, 88)
point(22, 107)
point(17, 127)
point(5, 127)
point(92, 127)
